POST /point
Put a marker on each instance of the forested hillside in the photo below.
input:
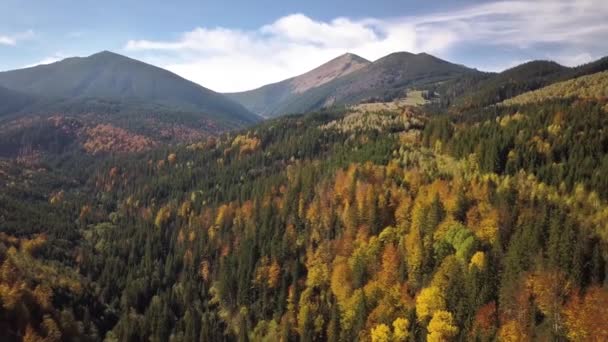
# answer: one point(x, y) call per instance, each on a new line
point(594, 86)
point(471, 93)
point(110, 103)
point(334, 225)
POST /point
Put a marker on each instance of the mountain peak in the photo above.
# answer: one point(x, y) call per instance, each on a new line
point(105, 52)
point(350, 56)
point(337, 67)
point(111, 76)
point(109, 55)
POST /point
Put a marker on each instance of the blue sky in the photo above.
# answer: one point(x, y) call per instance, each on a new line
point(238, 45)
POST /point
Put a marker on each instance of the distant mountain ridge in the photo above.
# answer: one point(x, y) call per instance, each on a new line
point(388, 77)
point(469, 93)
point(110, 76)
point(458, 87)
point(268, 99)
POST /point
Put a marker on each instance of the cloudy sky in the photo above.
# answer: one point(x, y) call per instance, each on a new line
point(238, 45)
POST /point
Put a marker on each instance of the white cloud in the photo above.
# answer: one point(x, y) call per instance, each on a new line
point(56, 57)
point(576, 58)
point(226, 59)
point(6, 40)
point(12, 39)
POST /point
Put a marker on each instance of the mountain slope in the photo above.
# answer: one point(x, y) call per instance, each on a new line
point(107, 75)
point(265, 100)
point(594, 86)
point(384, 79)
point(11, 100)
point(468, 93)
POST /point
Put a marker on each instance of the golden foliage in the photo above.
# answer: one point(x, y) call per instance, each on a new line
point(401, 329)
point(429, 301)
point(341, 279)
point(31, 335)
point(381, 333)
point(162, 216)
point(414, 254)
point(549, 289)
point(441, 327)
point(274, 274)
point(246, 144)
point(478, 260)
point(388, 275)
point(44, 296)
point(31, 246)
point(511, 331)
point(109, 138)
point(585, 315)
point(590, 86)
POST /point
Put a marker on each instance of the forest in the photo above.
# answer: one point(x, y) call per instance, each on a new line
point(336, 225)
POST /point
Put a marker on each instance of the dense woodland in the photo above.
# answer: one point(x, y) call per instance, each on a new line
point(334, 225)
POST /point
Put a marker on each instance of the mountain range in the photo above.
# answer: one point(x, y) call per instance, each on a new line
point(132, 98)
point(360, 80)
point(392, 76)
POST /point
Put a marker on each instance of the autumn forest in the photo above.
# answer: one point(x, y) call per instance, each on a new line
point(477, 212)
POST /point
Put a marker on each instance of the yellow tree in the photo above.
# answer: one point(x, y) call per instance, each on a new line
point(381, 333)
point(428, 302)
point(400, 329)
point(441, 327)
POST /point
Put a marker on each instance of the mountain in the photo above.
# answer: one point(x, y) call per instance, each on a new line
point(123, 81)
point(385, 79)
point(468, 93)
point(267, 99)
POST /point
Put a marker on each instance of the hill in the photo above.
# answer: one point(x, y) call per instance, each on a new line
point(594, 86)
point(109, 76)
point(265, 100)
point(468, 93)
point(385, 79)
